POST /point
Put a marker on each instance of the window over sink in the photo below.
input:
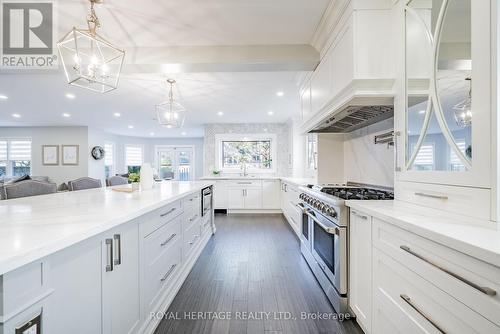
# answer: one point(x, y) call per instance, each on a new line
point(251, 153)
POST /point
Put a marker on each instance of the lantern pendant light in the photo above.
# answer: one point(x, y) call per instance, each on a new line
point(171, 114)
point(89, 60)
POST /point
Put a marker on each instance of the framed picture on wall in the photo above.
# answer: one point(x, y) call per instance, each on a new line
point(50, 155)
point(70, 155)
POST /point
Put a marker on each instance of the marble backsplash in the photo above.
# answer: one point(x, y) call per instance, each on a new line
point(281, 130)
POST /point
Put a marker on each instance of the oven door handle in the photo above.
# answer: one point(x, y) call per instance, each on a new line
point(329, 230)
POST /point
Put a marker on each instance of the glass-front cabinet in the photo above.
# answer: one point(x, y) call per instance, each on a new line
point(445, 135)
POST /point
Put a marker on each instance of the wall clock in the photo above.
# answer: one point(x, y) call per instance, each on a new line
point(97, 153)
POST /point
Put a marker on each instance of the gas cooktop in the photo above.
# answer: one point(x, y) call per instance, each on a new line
point(359, 193)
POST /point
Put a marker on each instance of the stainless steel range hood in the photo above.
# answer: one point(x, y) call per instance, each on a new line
point(353, 118)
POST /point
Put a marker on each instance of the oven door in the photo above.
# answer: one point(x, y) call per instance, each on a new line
point(329, 249)
point(305, 227)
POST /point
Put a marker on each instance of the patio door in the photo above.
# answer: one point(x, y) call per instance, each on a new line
point(175, 162)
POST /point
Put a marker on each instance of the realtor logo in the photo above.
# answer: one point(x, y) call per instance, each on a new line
point(27, 35)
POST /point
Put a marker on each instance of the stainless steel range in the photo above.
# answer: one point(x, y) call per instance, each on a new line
point(324, 234)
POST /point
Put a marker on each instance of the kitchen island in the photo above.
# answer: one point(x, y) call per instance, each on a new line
point(98, 261)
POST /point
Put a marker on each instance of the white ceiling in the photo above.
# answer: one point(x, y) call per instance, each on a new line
point(242, 96)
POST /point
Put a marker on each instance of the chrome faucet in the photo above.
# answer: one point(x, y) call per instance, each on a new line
point(244, 168)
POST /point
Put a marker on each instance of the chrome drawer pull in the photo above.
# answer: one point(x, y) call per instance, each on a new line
point(485, 290)
point(195, 237)
point(444, 198)
point(169, 272)
point(118, 240)
point(109, 253)
point(167, 213)
point(168, 240)
point(193, 219)
point(360, 216)
point(413, 306)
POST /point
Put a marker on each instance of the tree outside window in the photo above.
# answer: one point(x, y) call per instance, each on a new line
point(256, 154)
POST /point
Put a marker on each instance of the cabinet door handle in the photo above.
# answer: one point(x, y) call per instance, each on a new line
point(168, 273)
point(432, 196)
point(168, 212)
point(118, 243)
point(109, 254)
point(168, 240)
point(193, 218)
point(360, 216)
point(396, 154)
point(485, 290)
point(422, 313)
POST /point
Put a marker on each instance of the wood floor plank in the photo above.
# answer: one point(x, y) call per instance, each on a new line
point(253, 264)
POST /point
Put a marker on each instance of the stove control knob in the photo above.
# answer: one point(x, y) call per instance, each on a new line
point(318, 204)
point(301, 196)
point(332, 212)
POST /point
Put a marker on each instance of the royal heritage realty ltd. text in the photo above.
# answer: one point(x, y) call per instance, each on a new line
point(248, 316)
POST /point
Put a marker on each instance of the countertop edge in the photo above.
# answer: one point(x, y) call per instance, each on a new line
point(35, 254)
point(461, 246)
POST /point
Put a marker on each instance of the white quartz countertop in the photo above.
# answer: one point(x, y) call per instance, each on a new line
point(480, 239)
point(299, 181)
point(34, 227)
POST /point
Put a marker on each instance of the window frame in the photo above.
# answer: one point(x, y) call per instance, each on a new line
point(125, 155)
point(112, 170)
point(220, 138)
point(9, 167)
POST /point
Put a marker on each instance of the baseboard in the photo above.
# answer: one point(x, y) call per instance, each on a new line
point(150, 326)
point(256, 211)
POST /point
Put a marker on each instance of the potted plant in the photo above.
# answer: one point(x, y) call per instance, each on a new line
point(134, 179)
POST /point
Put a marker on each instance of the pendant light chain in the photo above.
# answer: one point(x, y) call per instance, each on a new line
point(92, 19)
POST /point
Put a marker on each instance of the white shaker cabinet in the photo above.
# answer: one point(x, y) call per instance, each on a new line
point(271, 194)
point(220, 195)
point(360, 268)
point(120, 258)
point(236, 198)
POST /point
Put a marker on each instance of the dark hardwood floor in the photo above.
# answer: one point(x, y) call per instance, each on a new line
point(253, 264)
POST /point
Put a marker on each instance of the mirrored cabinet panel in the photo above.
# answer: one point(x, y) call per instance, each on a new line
point(446, 55)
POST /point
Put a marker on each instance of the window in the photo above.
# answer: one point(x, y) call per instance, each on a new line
point(455, 162)
point(312, 152)
point(256, 153)
point(425, 158)
point(15, 157)
point(109, 159)
point(133, 158)
point(175, 162)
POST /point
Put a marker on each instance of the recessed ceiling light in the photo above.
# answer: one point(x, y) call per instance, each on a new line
point(130, 126)
point(270, 112)
point(183, 133)
point(117, 114)
point(220, 113)
point(421, 112)
point(16, 115)
point(169, 126)
point(70, 96)
point(280, 93)
point(66, 115)
point(3, 97)
point(151, 134)
point(265, 130)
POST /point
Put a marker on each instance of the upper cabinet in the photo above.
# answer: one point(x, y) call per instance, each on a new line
point(444, 134)
point(358, 63)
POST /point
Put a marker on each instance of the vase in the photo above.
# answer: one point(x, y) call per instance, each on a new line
point(147, 180)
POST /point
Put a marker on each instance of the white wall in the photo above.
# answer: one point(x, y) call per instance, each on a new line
point(99, 138)
point(365, 162)
point(53, 136)
point(281, 131)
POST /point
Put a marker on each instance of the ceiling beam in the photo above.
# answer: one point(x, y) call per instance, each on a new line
point(256, 58)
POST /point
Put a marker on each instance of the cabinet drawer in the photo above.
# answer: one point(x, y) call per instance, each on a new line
point(471, 202)
point(192, 204)
point(245, 184)
point(458, 274)
point(21, 287)
point(404, 302)
point(190, 240)
point(160, 241)
point(160, 217)
point(190, 219)
point(160, 272)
